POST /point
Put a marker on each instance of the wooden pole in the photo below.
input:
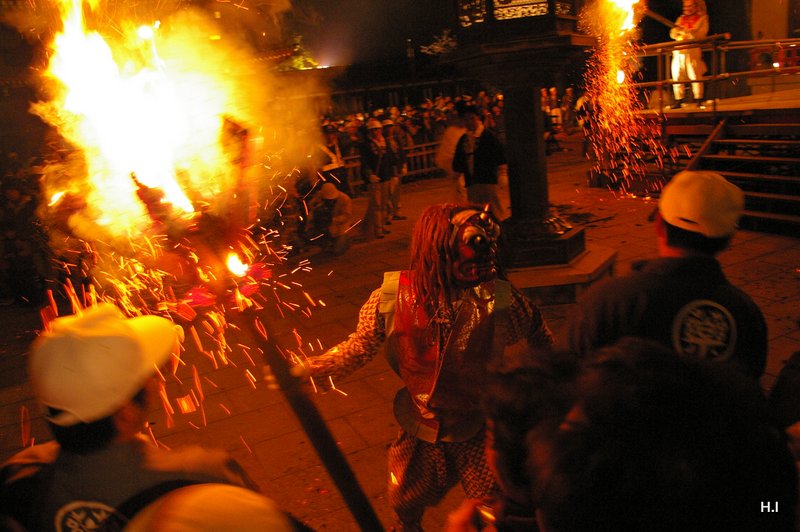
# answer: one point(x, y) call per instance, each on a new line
point(315, 428)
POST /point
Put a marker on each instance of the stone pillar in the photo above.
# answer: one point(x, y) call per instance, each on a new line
point(525, 150)
point(536, 237)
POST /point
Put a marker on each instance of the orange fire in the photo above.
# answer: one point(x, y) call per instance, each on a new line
point(164, 125)
point(626, 7)
point(236, 266)
point(143, 104)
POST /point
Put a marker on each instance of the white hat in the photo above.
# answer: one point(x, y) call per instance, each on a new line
point(328, 191)
point(388, 122)
point(91, 364)
point(702, 202)
point(373, 124)
point(211, 507)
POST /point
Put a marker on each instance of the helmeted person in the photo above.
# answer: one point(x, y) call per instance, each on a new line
point(96, 374)
point(687, 63)
point(379, 159)
point(395, 140)
point(681, 299)
point(444, 321)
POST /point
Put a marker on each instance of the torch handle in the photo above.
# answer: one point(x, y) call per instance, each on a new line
point(318, 432)
point(658, 18)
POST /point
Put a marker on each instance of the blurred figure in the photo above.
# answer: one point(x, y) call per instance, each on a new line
point(332, 169)
point(395, 142)
point(687, 63)
point(554, 109)
point(96, 375)
point(479, 156)
point(330, 216)
point(568, 111)
point(213, 508)
point(584, 114)
point(445, 152)
point(681, 299)
point(536, 390)
point(659, 442)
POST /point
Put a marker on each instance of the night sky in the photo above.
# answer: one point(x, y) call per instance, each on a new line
point(347, 31)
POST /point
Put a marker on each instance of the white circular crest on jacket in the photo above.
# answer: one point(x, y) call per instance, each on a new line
point(704, 329)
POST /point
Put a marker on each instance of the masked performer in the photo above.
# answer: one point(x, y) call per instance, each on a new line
point(687, 63)
point(445, 321)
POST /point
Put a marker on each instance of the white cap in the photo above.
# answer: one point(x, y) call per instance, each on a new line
point(90, 364)
point(702, 202)
point(213, 508)
point(373, 124)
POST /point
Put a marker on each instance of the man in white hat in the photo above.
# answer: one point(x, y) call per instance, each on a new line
point(95, 374)
point(682, 299)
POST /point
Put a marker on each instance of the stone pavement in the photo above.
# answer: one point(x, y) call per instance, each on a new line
point(255, 423)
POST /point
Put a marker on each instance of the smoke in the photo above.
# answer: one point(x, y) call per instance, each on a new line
point(200, 91)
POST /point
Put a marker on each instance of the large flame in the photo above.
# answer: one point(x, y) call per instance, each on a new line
point(155, 120)
point(626, 7)
point(135, 111)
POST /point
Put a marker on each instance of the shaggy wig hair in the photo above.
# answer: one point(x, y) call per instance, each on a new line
point(432, 256)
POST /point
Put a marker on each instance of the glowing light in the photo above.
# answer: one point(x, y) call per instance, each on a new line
point(145, 33)
point(155, 121)
point(620, 76)
point(142, 107)
point(626, 6)
point(55, 198)
point(236, 266)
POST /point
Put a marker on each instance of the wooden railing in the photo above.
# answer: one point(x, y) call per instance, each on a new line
point(420, 158)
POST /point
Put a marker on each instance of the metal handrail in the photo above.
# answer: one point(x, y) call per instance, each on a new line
point(718, 46)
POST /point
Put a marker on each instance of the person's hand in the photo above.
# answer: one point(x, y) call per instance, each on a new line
point(374, 179)
point(301, 370)
point(467, 517)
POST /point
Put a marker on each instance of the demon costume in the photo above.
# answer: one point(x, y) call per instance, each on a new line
point(445, 322)
point(687, 63)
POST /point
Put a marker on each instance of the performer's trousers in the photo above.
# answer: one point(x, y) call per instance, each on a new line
point(421, 474)
point(376, 208)
point(393, 197)
point(687, 65)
